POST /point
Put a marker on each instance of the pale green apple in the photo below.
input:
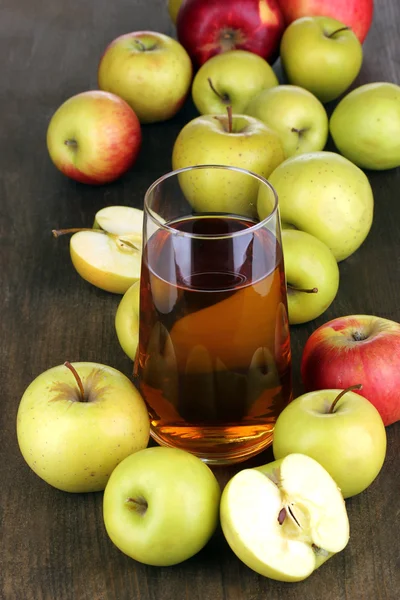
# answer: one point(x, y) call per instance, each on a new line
point(208, 140)
point(321, 55)
point(283, 520)
point(173, 9)
point(127, 320)
point(327, 196)
point(161, 506)
point(151, 71)
point(295, 114)
point(365, 126)
point(73, 435)
point(349, 441)
point(109, 255)
point(231, 79)
point(312, 275)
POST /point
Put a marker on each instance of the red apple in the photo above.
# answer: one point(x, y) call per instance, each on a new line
point(357, 349)
point(209, 27)
point(356, 14)
point(94, 137)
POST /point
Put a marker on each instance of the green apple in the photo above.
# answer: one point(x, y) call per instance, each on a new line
point(109, 255)
point(312, 275)
point(343, 431)
point(94, 137)
point(295, 114)
point(173, 9)
point(244, 142)
point(321, 55)
point(151, 71)
point(161, 506)
point(283, 520)
point(75, 423)
point(365, 126)
point(231, 79)
point(327, 196)
point(127, 320)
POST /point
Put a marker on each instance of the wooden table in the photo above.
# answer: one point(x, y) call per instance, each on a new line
point(53, 545)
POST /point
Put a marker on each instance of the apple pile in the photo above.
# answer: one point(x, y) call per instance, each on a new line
point(83, 427)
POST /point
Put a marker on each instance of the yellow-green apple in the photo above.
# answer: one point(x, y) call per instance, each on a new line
point(326, 195)
point(209, 27)
point(154, 494)
point(341, 430)
point(295, 114)
point(127, 320)
point(76, 422)
point(357, 14)
point(312, 275)
point(242, 142)
point(365, 126)
point(108, 255)
point(173, 9)
point(231, 78)
point(94, 137)
point(321, 55)
point(284, 519)
point(356, 349)
point(150, 70)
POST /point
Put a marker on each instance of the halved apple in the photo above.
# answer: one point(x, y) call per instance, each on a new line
point(284, 519)
point(109, 256)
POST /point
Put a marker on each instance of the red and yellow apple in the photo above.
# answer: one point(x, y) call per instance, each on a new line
point(209, 27)
point(357, 349)
point(94, 137)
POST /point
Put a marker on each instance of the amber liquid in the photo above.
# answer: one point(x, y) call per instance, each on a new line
point(214, 361)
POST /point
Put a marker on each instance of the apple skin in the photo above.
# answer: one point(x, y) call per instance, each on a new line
point(173, 9)
point(94, 137)
point(308, 264)
point(350, 443)
point(295, 114)
point(237, 75)
point(150, 70)
point(209, 27)
point(318, 60)
point(327, 196)
point(73, 445)
point(365, 126)
point(206, 141)
point(127, 320)
point(182, 495)
point(357, 349)
point(356, 14)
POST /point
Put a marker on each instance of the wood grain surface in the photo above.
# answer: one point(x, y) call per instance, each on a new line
point(53, 545)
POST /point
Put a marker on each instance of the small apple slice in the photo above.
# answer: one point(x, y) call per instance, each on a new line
point(281, 518)
point(119, 220)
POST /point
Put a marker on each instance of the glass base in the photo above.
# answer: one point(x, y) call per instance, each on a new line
point(232, 453)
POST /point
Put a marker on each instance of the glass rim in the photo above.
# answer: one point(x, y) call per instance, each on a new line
point(172, 230)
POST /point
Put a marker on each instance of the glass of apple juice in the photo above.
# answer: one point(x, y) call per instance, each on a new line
point(214, 361)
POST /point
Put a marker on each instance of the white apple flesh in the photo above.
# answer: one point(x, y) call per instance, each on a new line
point(280, 517)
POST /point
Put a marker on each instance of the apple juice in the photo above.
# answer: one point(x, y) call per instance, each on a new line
point(214, 360)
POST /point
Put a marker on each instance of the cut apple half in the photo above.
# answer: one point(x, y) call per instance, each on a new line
point(283, 520)
point(119, 220)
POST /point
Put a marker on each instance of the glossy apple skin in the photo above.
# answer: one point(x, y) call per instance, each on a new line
point(127, 320)
point(357, 349)
point(350, 443)
point(106, 132)
point(182, 495)
point(72, 445)
point(209, 27)
point(356, 14)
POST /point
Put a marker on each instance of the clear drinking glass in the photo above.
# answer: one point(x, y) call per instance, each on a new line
point(214, 361)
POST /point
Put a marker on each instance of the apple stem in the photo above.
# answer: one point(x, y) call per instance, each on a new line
point(282, 515)
point(58, 232)
point(229, 111)
point(78, 380)
point(223, 97)
point(306, 291)
point(358, 386)
point(71, 143)
point(142, 47)
point(338, 31)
